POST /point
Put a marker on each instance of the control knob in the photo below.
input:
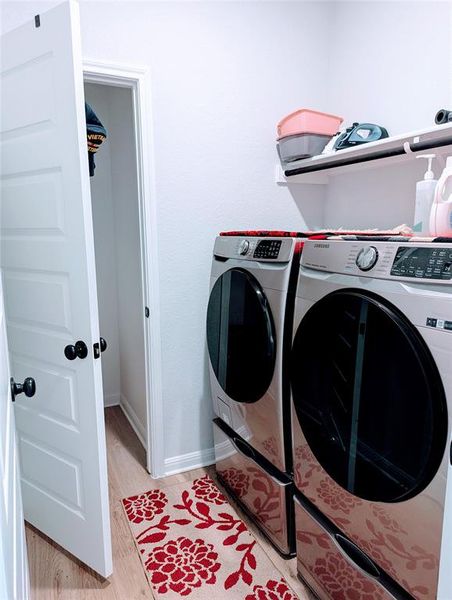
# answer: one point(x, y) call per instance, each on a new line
point(244, 246)
point(367, 258)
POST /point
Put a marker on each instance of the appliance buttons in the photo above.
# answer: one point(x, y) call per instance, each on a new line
point(367, 258)
point(244, 246)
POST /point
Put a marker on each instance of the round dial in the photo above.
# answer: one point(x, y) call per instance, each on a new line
point(367, 257)
point(244, 246)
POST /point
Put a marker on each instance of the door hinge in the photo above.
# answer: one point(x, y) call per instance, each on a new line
point(146, 312)
point(37, 21)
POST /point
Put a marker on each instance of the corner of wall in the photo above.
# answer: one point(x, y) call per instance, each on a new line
point(189, 461)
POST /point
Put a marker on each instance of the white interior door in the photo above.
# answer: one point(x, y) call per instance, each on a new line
point(13, 554)
point(47, 254)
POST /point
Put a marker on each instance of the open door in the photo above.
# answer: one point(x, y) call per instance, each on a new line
point(47, 256)
point(13, 552)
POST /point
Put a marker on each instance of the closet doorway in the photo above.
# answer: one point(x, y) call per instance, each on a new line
point(123, 253)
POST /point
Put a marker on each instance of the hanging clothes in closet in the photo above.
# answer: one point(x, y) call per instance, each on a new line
point(96, 134)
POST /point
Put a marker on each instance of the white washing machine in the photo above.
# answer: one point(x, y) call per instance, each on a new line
point(249, 330)
point(371, 377)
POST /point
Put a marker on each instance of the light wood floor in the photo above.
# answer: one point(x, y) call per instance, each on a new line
point(55, 575)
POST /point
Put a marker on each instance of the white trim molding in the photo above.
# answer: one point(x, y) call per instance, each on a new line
point(133, 419)
point(137, 78)
point(190, 461)
point(111, 400)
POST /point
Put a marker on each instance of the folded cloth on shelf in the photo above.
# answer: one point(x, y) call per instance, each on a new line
point(401, 230)
point(264, 233)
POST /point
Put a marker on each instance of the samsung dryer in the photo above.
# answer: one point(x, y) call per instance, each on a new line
point(371, 377)
point(249, 331)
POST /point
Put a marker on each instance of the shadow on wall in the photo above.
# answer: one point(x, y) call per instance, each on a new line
point(310, 202)
point(374, 197)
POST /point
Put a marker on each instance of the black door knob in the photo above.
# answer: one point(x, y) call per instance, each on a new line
point(28, 387)
point(78, 350)
point(103, 344)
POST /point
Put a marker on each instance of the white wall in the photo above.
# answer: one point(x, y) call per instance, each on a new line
point(104, 242)
point(391, 64)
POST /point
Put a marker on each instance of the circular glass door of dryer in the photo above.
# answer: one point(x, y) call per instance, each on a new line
point(368, 396)
point(241, 336)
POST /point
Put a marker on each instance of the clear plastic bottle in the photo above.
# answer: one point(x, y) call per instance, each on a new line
point(441, 213)
point(425, 193)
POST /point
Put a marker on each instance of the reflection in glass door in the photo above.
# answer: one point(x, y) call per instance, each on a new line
point(241, 336)
point(368, 396)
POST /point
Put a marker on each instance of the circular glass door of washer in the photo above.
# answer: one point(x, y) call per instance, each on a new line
point(241, 336)
point(368, 396)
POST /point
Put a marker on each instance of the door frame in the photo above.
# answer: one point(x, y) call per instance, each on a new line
point(137, 79)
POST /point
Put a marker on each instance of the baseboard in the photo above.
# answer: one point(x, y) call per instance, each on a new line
point(112, 400)
point(190, 461)
point(132, 417)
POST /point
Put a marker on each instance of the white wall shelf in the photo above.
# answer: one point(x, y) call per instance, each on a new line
point(392, 150)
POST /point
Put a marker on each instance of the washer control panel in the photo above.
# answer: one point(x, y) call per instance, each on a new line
point(426, 263)
point(267, 249)
point(409, 261)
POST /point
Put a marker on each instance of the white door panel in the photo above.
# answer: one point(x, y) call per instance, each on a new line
point(13, 556)
point(47, 254)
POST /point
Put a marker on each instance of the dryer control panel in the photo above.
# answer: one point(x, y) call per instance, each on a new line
point(426, 263)
point(267, 249)
point(258, 249)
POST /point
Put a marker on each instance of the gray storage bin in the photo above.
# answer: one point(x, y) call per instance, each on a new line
point(303, 145)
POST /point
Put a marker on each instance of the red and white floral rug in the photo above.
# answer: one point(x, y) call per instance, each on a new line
point(192, 543)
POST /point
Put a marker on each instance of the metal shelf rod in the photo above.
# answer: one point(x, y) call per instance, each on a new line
point(376, 151)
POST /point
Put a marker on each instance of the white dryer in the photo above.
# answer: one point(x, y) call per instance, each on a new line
point(249, 330)
point(371, 377)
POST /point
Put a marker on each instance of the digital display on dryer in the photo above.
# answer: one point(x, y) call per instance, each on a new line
point(427, 263)
point(267, 249)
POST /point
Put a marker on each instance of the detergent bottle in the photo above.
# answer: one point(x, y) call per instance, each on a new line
point(441, 213)
point(425, 193)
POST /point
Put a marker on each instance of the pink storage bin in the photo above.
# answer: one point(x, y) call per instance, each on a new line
point(308, 121)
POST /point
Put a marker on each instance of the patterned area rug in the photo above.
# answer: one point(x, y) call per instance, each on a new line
point(192, 543)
